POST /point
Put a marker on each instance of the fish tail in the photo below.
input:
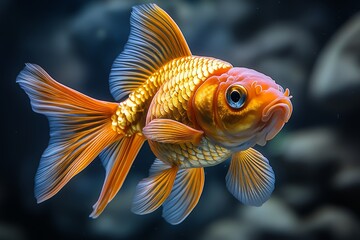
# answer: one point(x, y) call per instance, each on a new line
point(80, 129)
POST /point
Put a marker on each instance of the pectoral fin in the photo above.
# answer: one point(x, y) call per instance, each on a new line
point(250, 177)
point(171, 131)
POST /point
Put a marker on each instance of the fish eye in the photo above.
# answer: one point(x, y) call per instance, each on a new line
point(236, 96)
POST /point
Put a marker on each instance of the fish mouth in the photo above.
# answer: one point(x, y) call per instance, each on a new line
point(280, 104)
point(275, 115)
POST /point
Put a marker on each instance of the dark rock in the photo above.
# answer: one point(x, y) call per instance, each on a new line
point(307, 161)
point(346, 188)
point(332, 223)
point(273, 216)
point(228, 229)
point(336, 78)
point(313, 155)
point(348, 178)
point(313, 147)
point(283, 41)
point(299, 197)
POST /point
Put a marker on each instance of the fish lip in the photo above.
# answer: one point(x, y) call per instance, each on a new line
point(275, 115)
point(281, 104)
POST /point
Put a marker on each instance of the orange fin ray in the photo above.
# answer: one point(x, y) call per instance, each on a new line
point(151, 192)
point(185, 195)
point(117, 160)
point(80, 128)
point(250, 177)
point(171, 131)
point(154, 40)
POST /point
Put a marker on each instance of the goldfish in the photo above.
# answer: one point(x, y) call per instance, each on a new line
point(193, 111)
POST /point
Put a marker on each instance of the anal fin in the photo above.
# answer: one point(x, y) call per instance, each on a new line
point(185, 195)
point(151, 192)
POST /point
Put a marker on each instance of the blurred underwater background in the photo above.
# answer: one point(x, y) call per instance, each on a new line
point(311, 47)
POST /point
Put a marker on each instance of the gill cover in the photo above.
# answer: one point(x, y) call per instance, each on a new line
point(241, 108)
point(221, 107)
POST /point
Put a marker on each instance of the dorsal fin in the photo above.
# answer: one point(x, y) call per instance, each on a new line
point(154, 40)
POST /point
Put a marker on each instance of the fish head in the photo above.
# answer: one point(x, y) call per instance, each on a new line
point(241, 108)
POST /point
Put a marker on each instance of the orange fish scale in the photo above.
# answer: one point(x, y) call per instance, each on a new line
point(176, 80)
point(189, 155)
point(171, 102)
point(165, 94)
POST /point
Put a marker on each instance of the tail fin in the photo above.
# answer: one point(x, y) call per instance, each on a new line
point(80, 128)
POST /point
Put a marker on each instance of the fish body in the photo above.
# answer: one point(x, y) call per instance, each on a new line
point(194, 112)
point(176, 81)
point(173, 85)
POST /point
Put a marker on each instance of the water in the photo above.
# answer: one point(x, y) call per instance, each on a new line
point(303, 45)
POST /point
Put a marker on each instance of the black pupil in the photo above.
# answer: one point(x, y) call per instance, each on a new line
point(235, 96)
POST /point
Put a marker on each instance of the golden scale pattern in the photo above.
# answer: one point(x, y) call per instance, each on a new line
point(172, 101)
point(188, 155)
point(173, 85)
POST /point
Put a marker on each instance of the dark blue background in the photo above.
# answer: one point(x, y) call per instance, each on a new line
point(302, 44)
